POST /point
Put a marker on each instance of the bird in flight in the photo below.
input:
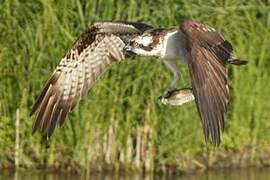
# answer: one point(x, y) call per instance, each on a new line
point(199, 46)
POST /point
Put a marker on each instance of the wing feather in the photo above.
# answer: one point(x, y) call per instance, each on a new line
point(207, 54)
point(97, 48)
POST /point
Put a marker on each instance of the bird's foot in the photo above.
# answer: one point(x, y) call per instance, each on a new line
point(166, 94)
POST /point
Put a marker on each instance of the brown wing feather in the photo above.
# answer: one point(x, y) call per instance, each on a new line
point(207, 37)
point(96, 49)
point(207, 53)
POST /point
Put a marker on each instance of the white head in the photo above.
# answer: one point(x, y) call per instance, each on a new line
point(150, 43)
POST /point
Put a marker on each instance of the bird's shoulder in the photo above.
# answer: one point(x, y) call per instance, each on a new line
point(201, 34)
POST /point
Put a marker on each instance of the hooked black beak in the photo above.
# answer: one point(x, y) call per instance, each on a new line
point(128, 50)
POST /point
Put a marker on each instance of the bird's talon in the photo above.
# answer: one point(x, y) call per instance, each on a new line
point(166, 94)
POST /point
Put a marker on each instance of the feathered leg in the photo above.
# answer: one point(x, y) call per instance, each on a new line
point(171, 65)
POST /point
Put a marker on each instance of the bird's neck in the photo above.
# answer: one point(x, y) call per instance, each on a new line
point(174, 46)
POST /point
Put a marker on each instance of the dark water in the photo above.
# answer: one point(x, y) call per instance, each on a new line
point(227, 174)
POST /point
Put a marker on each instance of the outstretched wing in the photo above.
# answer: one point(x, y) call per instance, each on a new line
point(207, 54)
point(97, 48)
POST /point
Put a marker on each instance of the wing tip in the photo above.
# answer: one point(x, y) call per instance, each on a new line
point(215, 141)
point(47, 133)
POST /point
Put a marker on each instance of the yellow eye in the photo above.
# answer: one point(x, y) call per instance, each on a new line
point(135, 44)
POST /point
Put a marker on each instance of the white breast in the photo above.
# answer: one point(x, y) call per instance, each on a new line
point(174, 46)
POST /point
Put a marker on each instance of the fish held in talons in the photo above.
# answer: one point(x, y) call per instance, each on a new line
point(178, 97)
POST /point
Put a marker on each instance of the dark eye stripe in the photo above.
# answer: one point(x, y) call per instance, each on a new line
point(141, 46)
point(146, 48)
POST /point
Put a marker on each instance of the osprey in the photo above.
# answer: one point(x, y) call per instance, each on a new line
point(199, 46)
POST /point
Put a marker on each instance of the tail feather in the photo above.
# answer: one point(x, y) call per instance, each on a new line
point(238, 62)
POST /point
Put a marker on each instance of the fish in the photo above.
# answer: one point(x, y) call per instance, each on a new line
point(178, 97)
